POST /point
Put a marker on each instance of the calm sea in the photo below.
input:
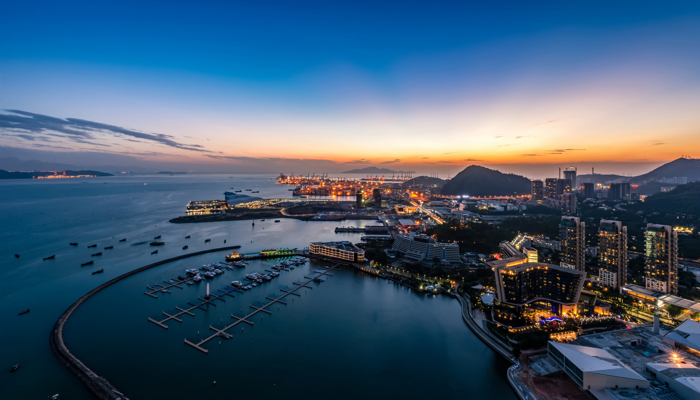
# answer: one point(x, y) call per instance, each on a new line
point(351, 336)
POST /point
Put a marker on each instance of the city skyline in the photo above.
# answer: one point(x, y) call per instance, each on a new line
point(335, 88)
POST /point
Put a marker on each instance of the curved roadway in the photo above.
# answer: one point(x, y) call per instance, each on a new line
point(98, 385)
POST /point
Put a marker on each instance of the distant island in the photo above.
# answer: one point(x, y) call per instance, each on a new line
point(375, 170)
point(172, 173)
point(50, 174)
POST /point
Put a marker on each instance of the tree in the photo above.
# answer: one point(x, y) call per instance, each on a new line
point(673, 310)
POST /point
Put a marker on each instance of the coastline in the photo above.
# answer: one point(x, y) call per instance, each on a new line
point(98, 385)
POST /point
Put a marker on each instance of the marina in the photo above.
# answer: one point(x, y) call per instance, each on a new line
point(245, 319)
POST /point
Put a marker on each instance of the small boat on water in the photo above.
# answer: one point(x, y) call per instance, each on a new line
point(74, 244)
point(50, 257)
point(262, 220)
point(248, 190)
point(97, 254)
point(237, 191)
point(257, 191)
point(187, 237)
point(207, 241)
point(87, 263)
point(23, 312)
point(99, 271)
point(109, 247)
point(277, 220)
point(154, 243)
point(15, 367)
point(123, 240)
point(157, 237)
point(16, 255)
point(190, 283)
point(91, 246)
point(224, 240)
point(185, 247)
point(253, 223)
point(155, 252)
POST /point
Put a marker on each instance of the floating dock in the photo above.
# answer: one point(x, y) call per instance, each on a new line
point(245, 319)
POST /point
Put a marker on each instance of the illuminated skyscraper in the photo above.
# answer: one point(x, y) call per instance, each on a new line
point(569, 202)
point(588, 190)
point(563, 186)
point(612, 253)
point(537, 190)
point(550, 188)
point(661, 258)
point(570, 174)
point(572, 233)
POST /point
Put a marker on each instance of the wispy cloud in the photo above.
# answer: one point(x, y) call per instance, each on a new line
point(391, 162)
point(78, 130)
point(472, 159)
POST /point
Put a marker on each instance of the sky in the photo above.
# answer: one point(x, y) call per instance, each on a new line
point(329, 86)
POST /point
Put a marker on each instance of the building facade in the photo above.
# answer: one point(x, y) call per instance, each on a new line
point(619, 191)
point(588, 190)
point(572, 233)
point(570, 174)
point(661, 251)
point(550, 188)
point(341, 250)
point(563, 186)
point(522, 287)
point(569, 201)
point(421, 247)
point(537, 190)
point(612, 253)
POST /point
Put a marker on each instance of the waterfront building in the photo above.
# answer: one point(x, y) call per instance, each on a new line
point(537, 190)
point(572, 233)
point(206, 207)
point(594, 369)
point(423, 247)
point(341, 250)
point(550, 188)
point(377, 195)
point(570, 174)
point(661, 251)
point(524, 290)
point(588, 190)
point(563, 186)
point(619, 191)
point(612, 253)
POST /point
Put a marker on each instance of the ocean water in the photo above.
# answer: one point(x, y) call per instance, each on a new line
point(353, 335)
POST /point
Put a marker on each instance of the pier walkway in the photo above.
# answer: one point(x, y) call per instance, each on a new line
point(246, 320)
point(204, 301)
point(98, 385)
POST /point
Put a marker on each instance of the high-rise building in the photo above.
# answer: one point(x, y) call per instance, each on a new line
point(572, 233)
point(661, 253)
point(550, 188)
point(563, 186)
point(619, 191)
point(588, 190)
point(358, 200)
point(570, 174)
point(522, 285)
point(377, 195)
point(537, 190)
point(612, 253)
point(568, 203)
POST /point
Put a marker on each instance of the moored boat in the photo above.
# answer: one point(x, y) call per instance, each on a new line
point(185, 247)
point(109, 247)
point(123, 240)
point(23, 312)
point(155, 252)
point(91, 246)
point(87, 263)
point(99, 271)
point(97, 254)
point(74, 244)
point(154, 243)
point(50, 257)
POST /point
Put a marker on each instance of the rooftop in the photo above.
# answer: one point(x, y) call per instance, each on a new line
point(344, 245)
point(663, 297)
point(597, 361)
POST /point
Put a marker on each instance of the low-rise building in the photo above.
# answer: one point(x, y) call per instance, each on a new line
point(594, 369)
point(681, 377)
point(206, 207)
point(341, 250)
point(420, 247)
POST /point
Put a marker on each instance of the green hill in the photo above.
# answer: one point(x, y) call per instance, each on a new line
point(424, 181)
point(682, 167)
point(683, 199)
point(479, 181)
